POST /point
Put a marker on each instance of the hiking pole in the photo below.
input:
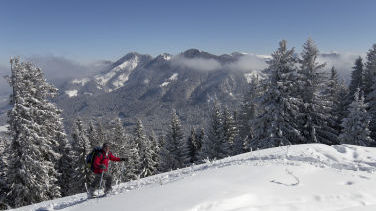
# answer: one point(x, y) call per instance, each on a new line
point(121, 174)
point(100, 183)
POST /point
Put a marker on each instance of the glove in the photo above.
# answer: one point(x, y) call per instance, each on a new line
point(123, 159)
point(102, 166)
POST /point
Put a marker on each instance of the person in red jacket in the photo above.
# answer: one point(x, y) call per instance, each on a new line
point(100, 165)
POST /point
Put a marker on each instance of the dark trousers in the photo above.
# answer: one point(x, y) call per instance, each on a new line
point(107, 180)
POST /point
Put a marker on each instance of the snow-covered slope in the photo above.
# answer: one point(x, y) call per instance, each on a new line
point(305, 177)
point(3, 128)
point(121, 71)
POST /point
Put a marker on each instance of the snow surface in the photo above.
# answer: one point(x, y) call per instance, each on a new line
point(173, 77)
point(255, 74)
point(302, 177)
point(82, 82)
point(128, 66)
point(121, 80)
point(71, 93)
point(166, 57)
point(164, 84)
point(4, 128)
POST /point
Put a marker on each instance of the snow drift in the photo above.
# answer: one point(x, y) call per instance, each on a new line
point(302, 177)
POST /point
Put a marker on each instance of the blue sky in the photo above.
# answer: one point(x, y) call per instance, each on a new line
point(85, 30)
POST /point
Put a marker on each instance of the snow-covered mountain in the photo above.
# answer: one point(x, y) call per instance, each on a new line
point(120, 71)
point(146, 87)
point(300, 178)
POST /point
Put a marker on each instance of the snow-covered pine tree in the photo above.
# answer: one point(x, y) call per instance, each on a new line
point(214, 145)
point(172, 156)
point(66, 166)
point(372, 112)
point(101, 135)
point(133, 163)
point(355, 126)
point(370, 88)
point(81, 147)
point(34, 152)
point(145, 151)
point(3, 169)
point(370, 72)
point(193, 147)
point(277, 124)
point(92, 134)
point(336, 93)
point(116, 139)
point(163, 154)
point(230, 132)
point(200, 137)
point(316, 107)
point(357, 79)
point(249, 110)
point(155, 148)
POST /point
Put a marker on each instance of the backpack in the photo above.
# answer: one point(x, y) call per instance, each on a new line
point(91, 157)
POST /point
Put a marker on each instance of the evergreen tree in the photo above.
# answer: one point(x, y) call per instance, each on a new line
point(92, 134)
point(193, 147)
point(163, 154)
point(355, 126)
point(370, 71)
point(117, 138)
point(214, 145)
point(66, 167)
point(173, 150)
point(357, 79)
point(277, 124)
point(34, 152)
point(3, 169)
point(370, 88)
point(337, 94)
point(372, 111)
point(133, 163)
point(155, 148)
point(316, 107)
point(249, 110)
point(230, 132)
point(81, 148)
point(200, 137)
point(101, 136)
point(145, 151)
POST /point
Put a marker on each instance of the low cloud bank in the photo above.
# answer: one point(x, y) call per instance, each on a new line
point(56, 69)
point(245, 63)
point(343, 63)
point(60, 69)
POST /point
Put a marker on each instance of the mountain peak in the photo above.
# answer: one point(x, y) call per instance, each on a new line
point(195, 53)
point(164, 56)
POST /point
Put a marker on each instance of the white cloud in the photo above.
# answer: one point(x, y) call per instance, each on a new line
point(343, 63)
point(56, 69)
point(4, 86)
point(199, 64)
point(248, 63)
point(59, 69)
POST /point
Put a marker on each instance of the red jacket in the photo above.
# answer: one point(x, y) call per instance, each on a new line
point(102, 158)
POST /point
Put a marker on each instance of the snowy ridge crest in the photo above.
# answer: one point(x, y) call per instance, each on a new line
point(334, 177)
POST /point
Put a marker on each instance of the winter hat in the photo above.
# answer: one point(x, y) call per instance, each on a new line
point(105, 145)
